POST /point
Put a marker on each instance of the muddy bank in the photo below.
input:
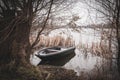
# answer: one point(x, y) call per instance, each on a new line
point(45, 72)
point(41, 72)
point(57, 73)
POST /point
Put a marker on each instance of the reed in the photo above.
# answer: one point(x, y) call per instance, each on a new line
point(96, 48)
point(47, 41)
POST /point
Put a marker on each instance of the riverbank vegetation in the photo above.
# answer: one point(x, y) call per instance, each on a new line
point(22, 24)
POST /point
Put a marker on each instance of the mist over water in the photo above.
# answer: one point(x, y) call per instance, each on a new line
point(88, 54)
point(83, 61)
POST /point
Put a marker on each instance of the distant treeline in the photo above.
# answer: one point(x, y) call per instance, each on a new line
point(108, 25)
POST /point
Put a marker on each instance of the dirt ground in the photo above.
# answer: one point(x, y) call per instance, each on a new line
point(58, 73)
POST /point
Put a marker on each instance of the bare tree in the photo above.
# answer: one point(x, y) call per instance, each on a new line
point(16, 19)
point(111, 10)
point(44, 20)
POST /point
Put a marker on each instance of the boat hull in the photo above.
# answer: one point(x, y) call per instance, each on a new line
point(57, 54)
point(59, 61)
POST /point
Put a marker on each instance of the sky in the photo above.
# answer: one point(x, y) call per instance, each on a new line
point(87, 14)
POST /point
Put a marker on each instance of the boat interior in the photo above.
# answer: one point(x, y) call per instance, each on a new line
point(50, 50)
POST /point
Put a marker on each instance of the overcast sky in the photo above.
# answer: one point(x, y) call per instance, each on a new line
point(87, 14)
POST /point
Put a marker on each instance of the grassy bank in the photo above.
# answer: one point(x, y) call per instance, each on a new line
point(43, 72)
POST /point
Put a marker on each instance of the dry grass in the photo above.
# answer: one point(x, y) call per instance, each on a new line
point(101, 48)
point(98, 49)
point(46, 41)
point(104, 47)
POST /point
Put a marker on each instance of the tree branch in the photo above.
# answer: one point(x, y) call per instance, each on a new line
point(43, 27)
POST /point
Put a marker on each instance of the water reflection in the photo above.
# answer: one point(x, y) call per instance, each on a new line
point(78, 61)
point(81, 62)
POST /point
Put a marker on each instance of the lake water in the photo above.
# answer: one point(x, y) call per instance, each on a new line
point(80, 61)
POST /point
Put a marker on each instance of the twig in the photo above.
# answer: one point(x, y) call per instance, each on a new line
point(44, 25)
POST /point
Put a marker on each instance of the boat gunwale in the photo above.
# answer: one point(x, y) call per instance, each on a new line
point(54, 53)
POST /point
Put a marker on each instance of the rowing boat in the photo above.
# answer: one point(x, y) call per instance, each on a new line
point(53, 53)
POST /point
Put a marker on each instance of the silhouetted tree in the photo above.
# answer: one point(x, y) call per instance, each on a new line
point(16, 17)
point(111, 10)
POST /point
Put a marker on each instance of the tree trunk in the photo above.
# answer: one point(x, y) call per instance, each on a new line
point(20, 45)
point(118, 58)
point(14, 37)
point(16, 48)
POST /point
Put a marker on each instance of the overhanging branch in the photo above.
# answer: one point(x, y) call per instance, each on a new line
point(43, 27)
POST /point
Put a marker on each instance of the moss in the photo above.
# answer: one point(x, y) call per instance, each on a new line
point(38, 73)
point(57, 73)
point(32, 73)
point(20, 73)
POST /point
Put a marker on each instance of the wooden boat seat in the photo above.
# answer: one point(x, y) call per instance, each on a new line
point(53, 50)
